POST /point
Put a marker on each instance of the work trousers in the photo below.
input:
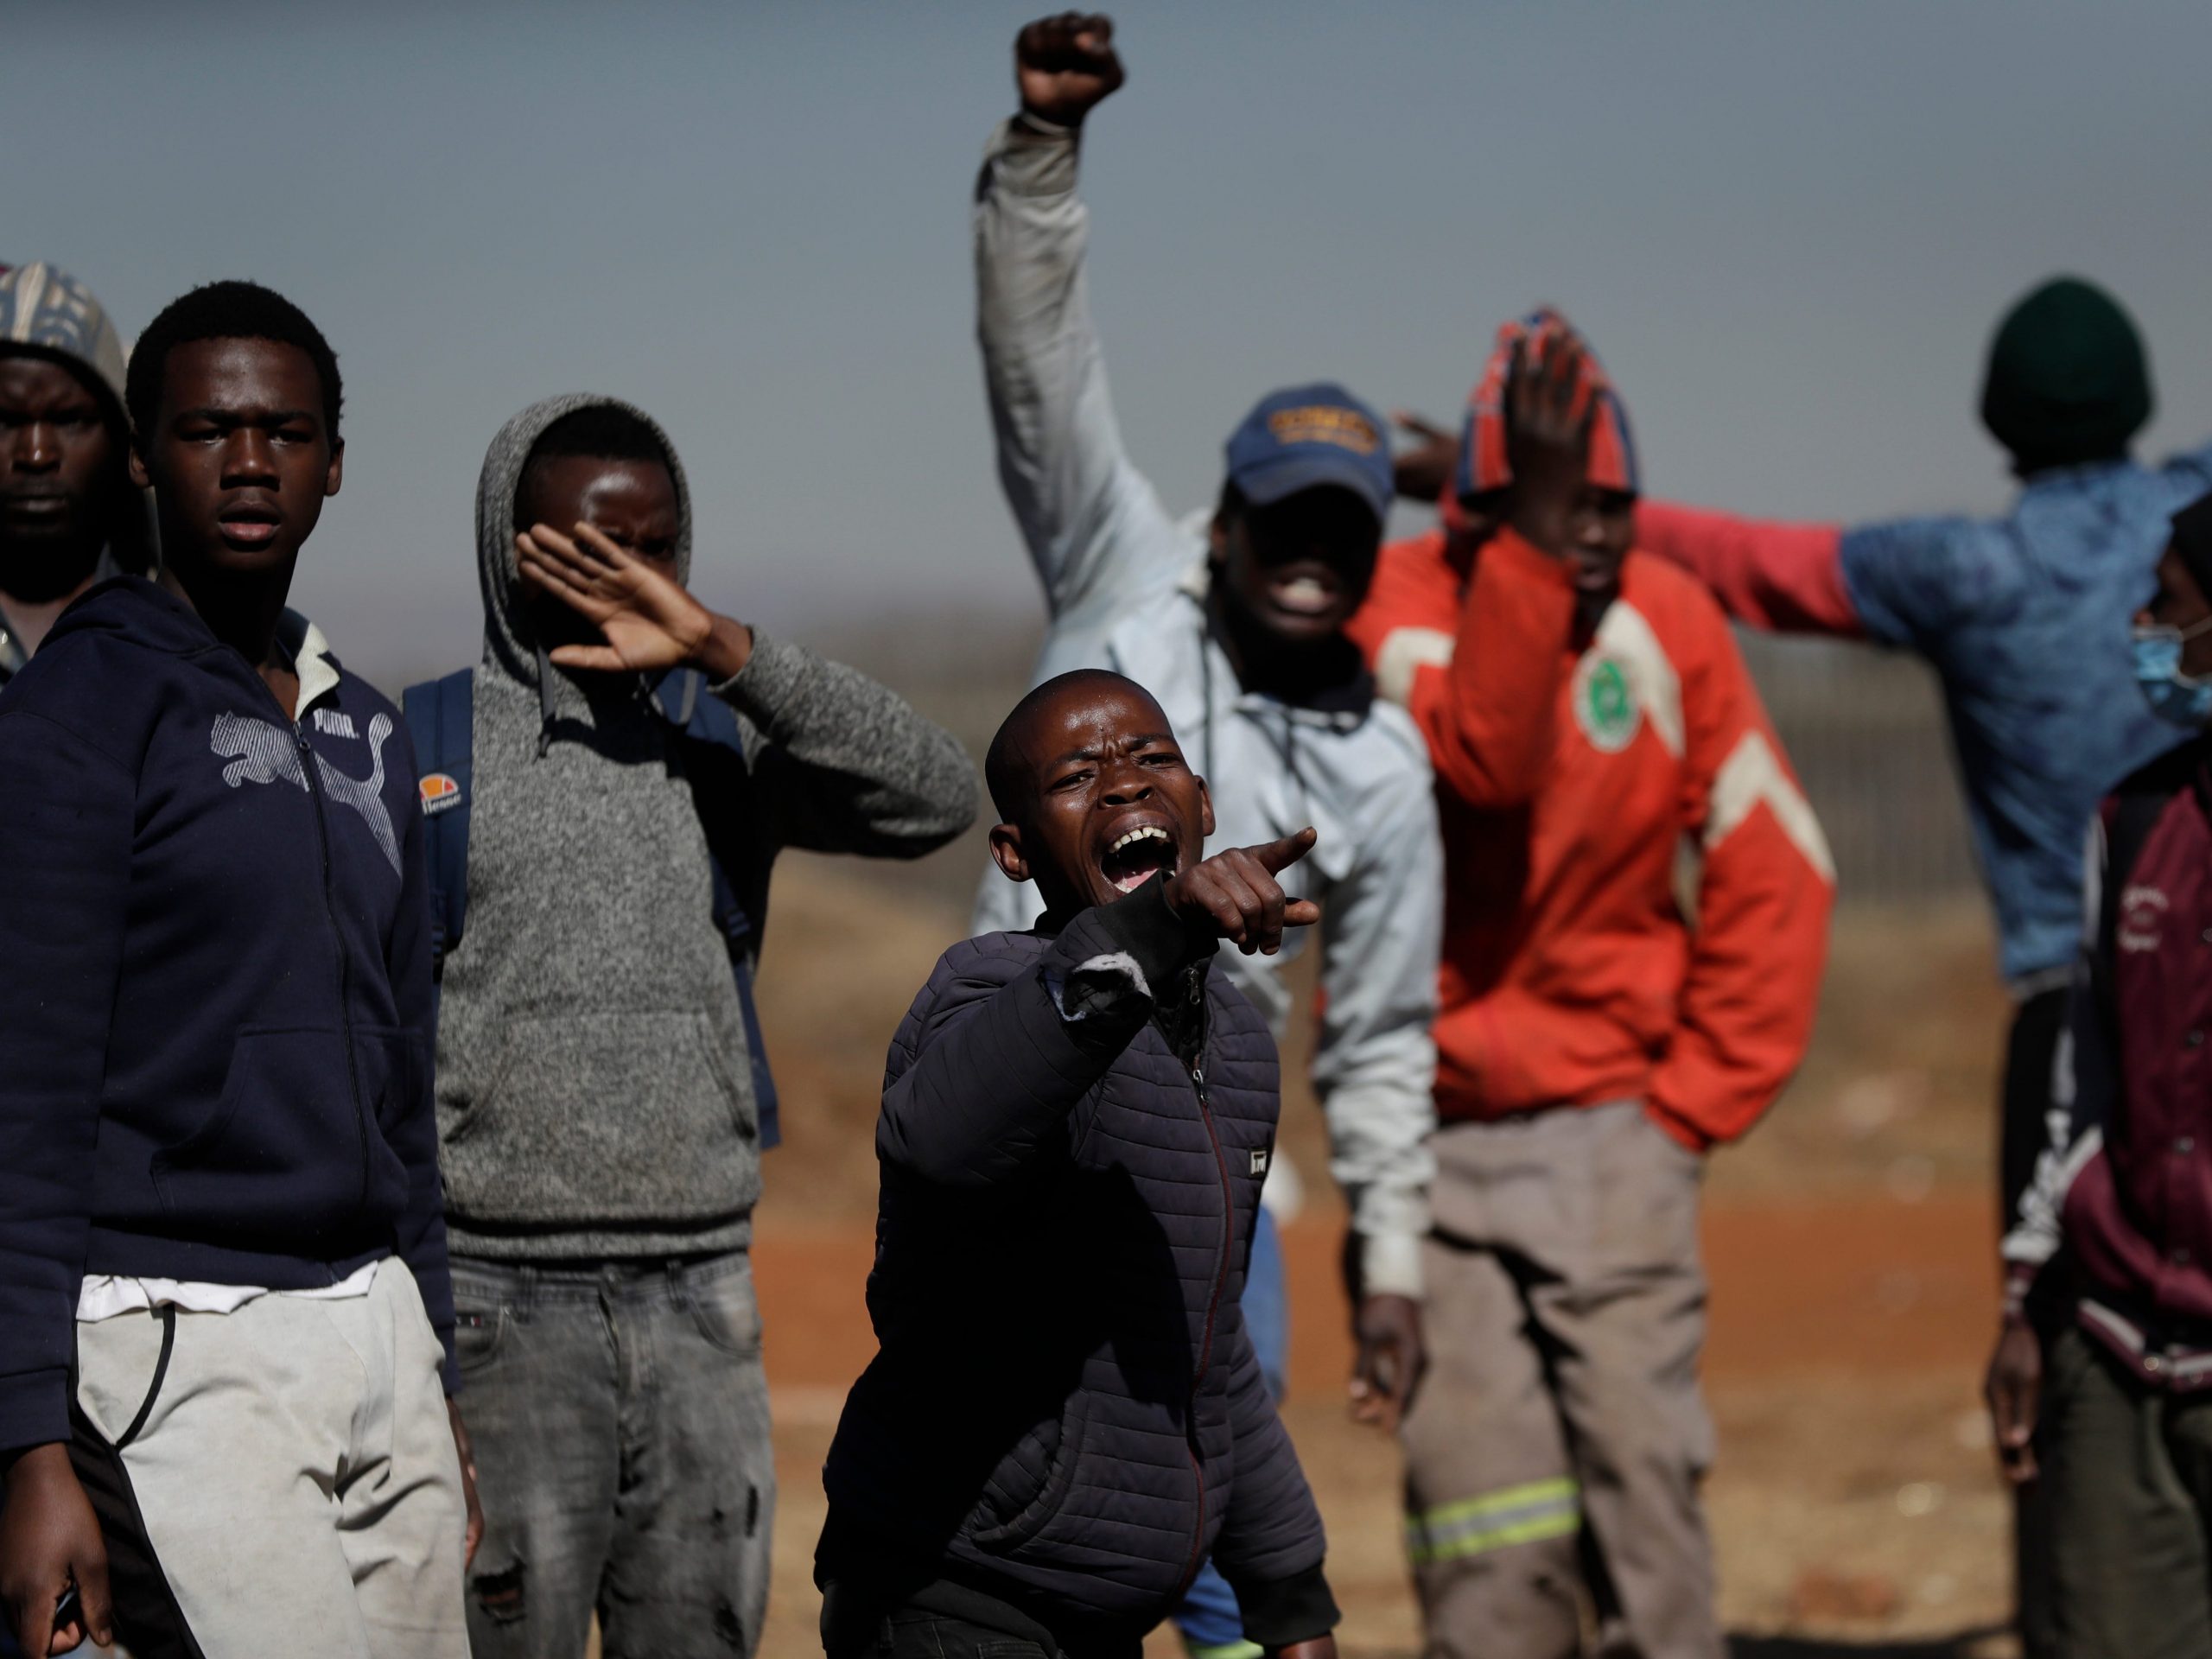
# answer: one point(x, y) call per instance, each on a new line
point(621, 1420)
point(277, 1479)
point(2126, 1474)
point(1556, 1448)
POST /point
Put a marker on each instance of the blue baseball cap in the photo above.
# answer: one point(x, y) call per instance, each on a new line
point(1304, 436)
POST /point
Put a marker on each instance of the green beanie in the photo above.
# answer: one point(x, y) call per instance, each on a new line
point(2068, 381)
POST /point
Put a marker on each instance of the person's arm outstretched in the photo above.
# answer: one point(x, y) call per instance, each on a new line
point(66, 845)
point(1095, 529)
point(1786, 578)
point(1000, 1062)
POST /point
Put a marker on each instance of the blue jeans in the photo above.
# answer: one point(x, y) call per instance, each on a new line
point(1207, 1618)
point(621, 1420)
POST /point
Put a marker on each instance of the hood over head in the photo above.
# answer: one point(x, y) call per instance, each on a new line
point(45, 312)
point(1484, 466)
point(509, 645)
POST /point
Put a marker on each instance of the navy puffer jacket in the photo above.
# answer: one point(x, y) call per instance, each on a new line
point(1066, 1411)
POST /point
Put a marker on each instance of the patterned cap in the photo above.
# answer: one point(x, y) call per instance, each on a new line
point(44, 307)
point(1483, 447)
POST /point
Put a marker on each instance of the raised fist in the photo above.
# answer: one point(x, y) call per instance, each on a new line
point(1065, 64)
point(1235, 895)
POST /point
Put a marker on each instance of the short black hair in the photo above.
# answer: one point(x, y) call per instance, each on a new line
point(1006, 769)
point(601, 431)
point(227, 311)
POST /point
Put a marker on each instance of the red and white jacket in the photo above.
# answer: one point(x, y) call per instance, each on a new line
point(1571, 774)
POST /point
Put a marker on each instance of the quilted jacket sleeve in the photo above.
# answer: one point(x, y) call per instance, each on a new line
point(1008, 1051)
point(1271, 1543)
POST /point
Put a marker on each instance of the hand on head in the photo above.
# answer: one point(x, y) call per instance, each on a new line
point(1548, 403)
point(648, 621)
point(1066, 65)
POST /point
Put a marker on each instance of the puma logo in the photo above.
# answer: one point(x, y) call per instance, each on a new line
point(262, 751)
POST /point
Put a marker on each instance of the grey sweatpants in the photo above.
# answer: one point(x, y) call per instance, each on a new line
point(619, 1416)
point(1560, 1423)
point(294, 1474)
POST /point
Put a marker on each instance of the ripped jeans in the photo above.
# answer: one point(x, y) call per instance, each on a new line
point(621, 1420)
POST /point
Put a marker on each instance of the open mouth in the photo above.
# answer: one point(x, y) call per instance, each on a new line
point(1136, 856)
point(1304, 594)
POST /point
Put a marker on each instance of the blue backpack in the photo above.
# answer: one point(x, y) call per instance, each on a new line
point(441, 719)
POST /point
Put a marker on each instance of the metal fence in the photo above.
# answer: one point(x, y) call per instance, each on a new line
point(1867, 732)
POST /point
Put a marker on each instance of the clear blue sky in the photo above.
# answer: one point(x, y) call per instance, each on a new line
point(1788, 227)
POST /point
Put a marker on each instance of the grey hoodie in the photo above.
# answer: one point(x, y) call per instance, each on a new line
point(595, 1096)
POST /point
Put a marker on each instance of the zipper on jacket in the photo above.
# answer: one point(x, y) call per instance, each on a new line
point(338, 943)
point(1213, 1309)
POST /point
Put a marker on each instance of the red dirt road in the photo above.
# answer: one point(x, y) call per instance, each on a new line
point(1836, 1288)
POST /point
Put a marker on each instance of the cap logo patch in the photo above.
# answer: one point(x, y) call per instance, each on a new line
point(1325, 424)
point(440, 791)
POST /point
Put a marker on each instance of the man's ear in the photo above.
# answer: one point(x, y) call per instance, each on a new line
point(1205, 807)
point(1005, 852)
point(336, 475)
point(1218, 534)
point(138, 466)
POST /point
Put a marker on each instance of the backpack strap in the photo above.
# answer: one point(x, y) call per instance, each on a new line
point(707, 720)
point(440, 717)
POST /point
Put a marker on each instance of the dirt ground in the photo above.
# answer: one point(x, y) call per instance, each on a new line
point(1849, 1242)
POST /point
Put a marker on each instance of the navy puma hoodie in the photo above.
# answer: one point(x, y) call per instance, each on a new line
point(214, 982)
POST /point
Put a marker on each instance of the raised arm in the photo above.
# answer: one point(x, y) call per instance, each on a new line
point(1745, 1011)
point(1095, 529)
